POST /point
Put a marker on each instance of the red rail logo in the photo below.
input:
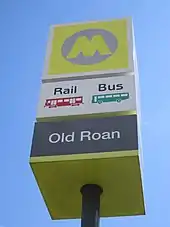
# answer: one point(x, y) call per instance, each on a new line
point(73, 101)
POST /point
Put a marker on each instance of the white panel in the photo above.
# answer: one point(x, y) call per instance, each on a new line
point(79, 97)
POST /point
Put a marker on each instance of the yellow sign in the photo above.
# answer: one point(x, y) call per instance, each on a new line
point(60, 181)
point(92, 47)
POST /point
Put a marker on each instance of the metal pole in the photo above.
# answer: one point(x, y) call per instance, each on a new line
point(90, 216)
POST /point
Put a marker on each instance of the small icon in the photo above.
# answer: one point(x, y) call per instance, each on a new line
point(60, 102)
point(118, 97)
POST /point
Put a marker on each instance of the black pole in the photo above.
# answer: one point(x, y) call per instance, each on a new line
point(90, 216)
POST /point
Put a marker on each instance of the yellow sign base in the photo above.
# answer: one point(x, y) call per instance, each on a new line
point(118, 173)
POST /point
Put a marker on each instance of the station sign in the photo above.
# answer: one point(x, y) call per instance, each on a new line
point(90, 96)
point(118, 133)
point(77, 50)
point(88, 120)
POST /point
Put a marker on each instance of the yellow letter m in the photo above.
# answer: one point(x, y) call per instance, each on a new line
point(89, 47)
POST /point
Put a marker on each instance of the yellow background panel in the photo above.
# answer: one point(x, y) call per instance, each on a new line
point(119, 59)
point(118, 173)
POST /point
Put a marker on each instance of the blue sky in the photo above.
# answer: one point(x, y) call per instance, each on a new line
point(24, 27)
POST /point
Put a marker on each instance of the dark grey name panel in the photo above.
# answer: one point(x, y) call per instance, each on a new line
point(109, 134)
